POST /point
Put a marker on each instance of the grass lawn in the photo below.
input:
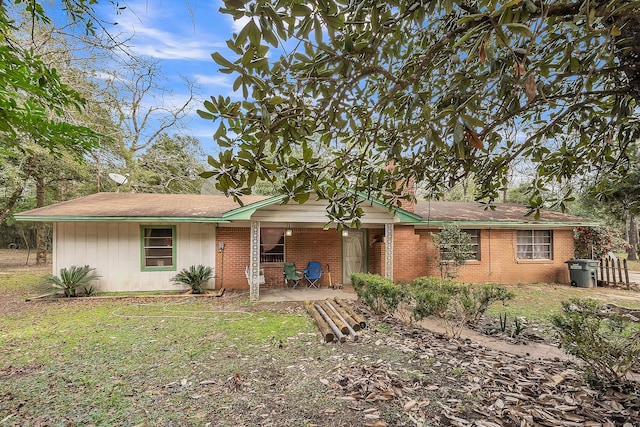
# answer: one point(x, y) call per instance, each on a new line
point(219, 361)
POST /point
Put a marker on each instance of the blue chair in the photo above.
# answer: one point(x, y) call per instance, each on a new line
point(313, 273)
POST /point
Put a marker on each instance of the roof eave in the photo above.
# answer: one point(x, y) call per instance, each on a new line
point(505, 224)
point(245, 212)
point(140, 219)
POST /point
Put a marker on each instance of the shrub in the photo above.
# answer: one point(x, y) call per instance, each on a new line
point(454, 247)
point(477, 301)
point(608, 343)
point(458, 304)
point(432, 296)
point(596, 242)
point(379, 293)
point(195, 277)
point(72, 279)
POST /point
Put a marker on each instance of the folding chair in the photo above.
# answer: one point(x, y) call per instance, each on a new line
point(291, 275)
point(313, 273)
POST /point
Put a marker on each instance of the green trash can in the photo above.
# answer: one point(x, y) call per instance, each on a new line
point(583, 272)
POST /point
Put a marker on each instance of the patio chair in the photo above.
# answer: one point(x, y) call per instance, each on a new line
point(291, 275)
point(313, 273)
point(247, 273)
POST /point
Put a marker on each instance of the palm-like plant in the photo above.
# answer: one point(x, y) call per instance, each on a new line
point(72, 278)
point(195, 277)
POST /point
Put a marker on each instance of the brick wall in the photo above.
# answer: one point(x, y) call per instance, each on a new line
point(304, 245)
point(497, 262)
point(414, 256)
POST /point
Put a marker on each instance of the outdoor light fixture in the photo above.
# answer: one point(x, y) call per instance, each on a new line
point(288, 232)
point(345, 232)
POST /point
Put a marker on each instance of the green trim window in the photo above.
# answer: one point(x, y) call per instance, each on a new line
point(474, 252)
point(474, 247)
point(535, 244)
point(158, 247)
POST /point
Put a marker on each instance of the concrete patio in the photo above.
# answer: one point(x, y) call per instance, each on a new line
point(305, 294)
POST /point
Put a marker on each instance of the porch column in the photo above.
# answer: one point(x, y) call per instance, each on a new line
point(254, 262)
point(388, 250)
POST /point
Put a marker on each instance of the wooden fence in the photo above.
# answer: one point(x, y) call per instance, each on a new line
point(614, 272)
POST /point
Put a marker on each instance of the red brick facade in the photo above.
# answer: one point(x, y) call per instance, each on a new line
point(414, 256)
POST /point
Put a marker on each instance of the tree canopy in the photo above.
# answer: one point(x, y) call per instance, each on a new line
point(425, 90)
point(34, 100)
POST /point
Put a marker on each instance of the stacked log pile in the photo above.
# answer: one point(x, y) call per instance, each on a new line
point(336, 320)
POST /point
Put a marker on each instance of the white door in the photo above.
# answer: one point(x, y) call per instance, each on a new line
point(353, 254)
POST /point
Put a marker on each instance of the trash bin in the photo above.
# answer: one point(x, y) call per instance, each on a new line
point(583, 272)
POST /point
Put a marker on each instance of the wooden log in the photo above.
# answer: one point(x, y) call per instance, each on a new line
point(332, 325)
point(352, 313)
point(336, 319)
point(341, 314)
point(325, 330)
point(349, 320)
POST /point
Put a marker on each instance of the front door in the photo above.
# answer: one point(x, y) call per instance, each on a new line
point(354, 254)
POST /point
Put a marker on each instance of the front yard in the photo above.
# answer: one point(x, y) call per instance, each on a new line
point(225, 362)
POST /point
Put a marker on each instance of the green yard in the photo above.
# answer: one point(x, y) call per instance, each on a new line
point(153, 361)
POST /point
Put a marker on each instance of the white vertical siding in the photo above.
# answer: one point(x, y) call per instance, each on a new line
point(113, 249)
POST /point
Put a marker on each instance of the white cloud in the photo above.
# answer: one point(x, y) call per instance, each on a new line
point(169, 30)
point(238, 24)
point(213, 80)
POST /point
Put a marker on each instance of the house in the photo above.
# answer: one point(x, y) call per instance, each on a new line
point(137, 242)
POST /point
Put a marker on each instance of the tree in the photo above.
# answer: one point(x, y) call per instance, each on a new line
point(429, 85)
point(171, 165)
point(454, 246)
point(33, 98)
point(143, 108)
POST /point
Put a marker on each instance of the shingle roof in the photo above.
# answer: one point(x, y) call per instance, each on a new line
point(196, 207)
point(503, 212)
point(142, 205)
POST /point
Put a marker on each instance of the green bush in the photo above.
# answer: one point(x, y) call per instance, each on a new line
point(458, 304)
point(431, 296)
point(195, 277)
point(379, 293)
point(72, 279)
point(477, 300)
point(609, 344)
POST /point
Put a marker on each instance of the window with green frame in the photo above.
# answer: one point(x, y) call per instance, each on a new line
point(158, 247)
point(474, 246)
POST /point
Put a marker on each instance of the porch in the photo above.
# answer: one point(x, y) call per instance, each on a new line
point(306, 294)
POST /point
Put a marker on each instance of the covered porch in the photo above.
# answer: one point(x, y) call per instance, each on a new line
point(295, 233)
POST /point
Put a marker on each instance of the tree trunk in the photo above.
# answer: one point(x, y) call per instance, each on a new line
point(632, 229)
point(15, 196)
point(41, 230)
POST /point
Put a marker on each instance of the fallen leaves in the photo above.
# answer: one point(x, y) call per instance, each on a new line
point(506, 389)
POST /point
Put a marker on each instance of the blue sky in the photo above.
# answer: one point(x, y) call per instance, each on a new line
point(181, 35)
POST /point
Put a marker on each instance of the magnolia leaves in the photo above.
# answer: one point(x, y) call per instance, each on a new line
point(530, 86)
point(464, 136)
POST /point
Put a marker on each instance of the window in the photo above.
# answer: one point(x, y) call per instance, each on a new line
point(474, 241)
point(158, 248)
point(474, 253)
point(272, 245)
point(535, 244)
